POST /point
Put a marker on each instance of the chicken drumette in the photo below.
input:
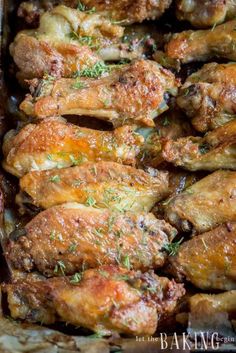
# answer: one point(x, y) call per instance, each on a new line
point(107, 299)
point(54, 143)
point(203, 45)
point(134, 93)
point(66, 41)
point(205, 13)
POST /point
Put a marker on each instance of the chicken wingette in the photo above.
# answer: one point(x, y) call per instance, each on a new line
point(106, 184)
point(205, 13)
point(63, 239)
point(216, 150)
point(54, 143)
point(203, 45)
point(204, 205)
point(132, 93)
point(107, 299)
point(208, 96)
point(128, 11)
point(66, 41)
point(208, 260)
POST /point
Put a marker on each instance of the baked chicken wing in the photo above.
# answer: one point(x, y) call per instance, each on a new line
point(65, 42)
point(108, 184)
point(203, 45)
point(204, 205)
point(54, 143)
point(128, 11)
point(106, 300)
point(208, 96)
point(210, 313)
point(63, 239)
point(208, 260)
point(216, 150)
point(170, 125)
point(205, 13)
point(132, 93)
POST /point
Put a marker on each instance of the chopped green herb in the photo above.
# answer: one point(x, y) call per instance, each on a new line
point(60, 267)
point(49, 157)
point(204, 243)
point(83, 8)
point(122, 278)
point(77, 182)
point(90, 201)
point(76, 278)
point(55, 179)
point(186, 92)
point(126, 262)
point(52, 235)
point(98, 335)
point(94, 170)
point(165, 121)
point(98, 231)
point(79, 85)
point(76, 161)
point(96, 71)
point(104, 273)
point(214, 26)
point(173, 248)
point(72, 247)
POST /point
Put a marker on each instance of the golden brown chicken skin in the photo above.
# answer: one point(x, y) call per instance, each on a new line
point(128, 11)
point(208, 96)
point(66, 41)
point(108, 299)
point(106, 184)
point(216, 150)
point(54, 143)
point(204, 205)
point(213, 303)
point(202, 45)
point(209, 312)
point(205, 13)
point(63, 239)
point(208, 260)
point(133, 93)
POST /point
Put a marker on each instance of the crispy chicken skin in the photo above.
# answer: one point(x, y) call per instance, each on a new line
point(216, 150)
point(63, 239)
point(129, 11)
point(202, 45)
point(66, 41)
point(108, 299)
point(204, 205)
point(170, 125)
point(208, 260)
point(205, 13)
point(208, 96)
point(108, 184)
point(133, 93)
point(54, 143)
point(212, 303)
